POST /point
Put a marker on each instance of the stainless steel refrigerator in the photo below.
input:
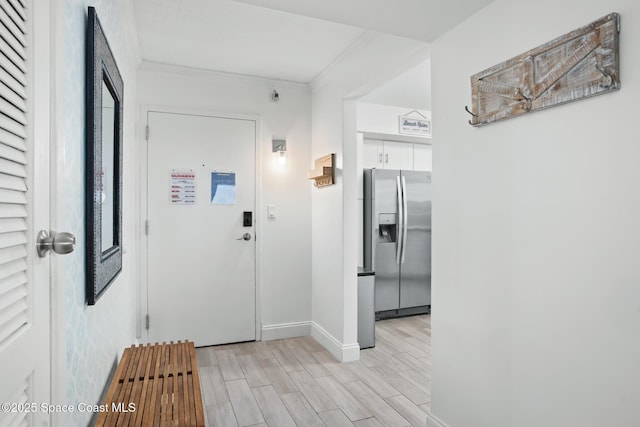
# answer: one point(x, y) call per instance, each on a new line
point(397, 239)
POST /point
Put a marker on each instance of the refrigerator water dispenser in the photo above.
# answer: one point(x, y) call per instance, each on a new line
point(387, 228)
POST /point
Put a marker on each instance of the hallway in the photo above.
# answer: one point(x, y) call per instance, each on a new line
point(297, 382)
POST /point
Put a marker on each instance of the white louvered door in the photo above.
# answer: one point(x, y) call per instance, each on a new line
point(24, 209)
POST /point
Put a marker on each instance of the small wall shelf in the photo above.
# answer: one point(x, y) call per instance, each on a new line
point(324, 172)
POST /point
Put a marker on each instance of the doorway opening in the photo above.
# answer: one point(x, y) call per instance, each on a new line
point(399, 323)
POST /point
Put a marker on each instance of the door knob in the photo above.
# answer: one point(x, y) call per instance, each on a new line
point(245, 236)
point(60, 243)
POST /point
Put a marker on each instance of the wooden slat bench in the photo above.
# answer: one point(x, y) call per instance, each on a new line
point(155, 385)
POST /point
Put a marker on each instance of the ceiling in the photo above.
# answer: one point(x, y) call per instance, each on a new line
point(293, 40)
point(417, 19)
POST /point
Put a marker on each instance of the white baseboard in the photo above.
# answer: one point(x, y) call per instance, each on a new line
point(344, 353)
point(432, 421)
point(286, 330)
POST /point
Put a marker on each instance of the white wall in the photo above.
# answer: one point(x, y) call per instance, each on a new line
point(284, 243)
point(413, 87)
point(383, 119)
point(94, 336)
point(375, 59)
point(536, 296)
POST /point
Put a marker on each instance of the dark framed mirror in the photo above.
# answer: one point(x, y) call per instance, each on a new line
point(103, 186)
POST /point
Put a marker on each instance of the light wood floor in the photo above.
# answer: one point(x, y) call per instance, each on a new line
point(296, 382)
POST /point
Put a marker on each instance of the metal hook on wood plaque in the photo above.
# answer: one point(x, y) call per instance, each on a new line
point(606, 76)
point(525, 99)
point(474, 121)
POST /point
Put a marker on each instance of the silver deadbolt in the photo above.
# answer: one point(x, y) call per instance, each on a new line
point(245, 236)
point(60, 243)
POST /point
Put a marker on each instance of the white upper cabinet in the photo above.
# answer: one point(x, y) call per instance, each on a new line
point(398, 155)
point(372, 154)
point(395, 155)
point(421, 157)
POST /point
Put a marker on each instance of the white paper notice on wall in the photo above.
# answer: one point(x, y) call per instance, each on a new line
point(414, 123)
point(182, 187)
point(223, 188)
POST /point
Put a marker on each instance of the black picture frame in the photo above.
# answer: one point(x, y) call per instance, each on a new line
point(103, 162)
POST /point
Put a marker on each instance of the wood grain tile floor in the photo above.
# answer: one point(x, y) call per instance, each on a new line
point(296, 382)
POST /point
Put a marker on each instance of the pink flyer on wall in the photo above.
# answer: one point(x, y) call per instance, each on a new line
point(182, 187)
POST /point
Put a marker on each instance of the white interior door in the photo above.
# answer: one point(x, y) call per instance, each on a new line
point(24, 209)
point(201, 272)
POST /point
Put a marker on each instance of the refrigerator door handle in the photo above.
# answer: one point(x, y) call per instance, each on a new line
point(405, 220)
point(400, 221)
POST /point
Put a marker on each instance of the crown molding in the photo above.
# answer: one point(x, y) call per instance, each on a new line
point(201, 73)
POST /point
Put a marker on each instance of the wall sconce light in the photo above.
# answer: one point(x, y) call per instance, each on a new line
point(280, 146)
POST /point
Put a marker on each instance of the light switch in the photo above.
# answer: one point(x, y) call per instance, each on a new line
point(271, 211)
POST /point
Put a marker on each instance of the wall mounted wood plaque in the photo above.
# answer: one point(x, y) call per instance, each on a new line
point(576, 65)
point(324, 172)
